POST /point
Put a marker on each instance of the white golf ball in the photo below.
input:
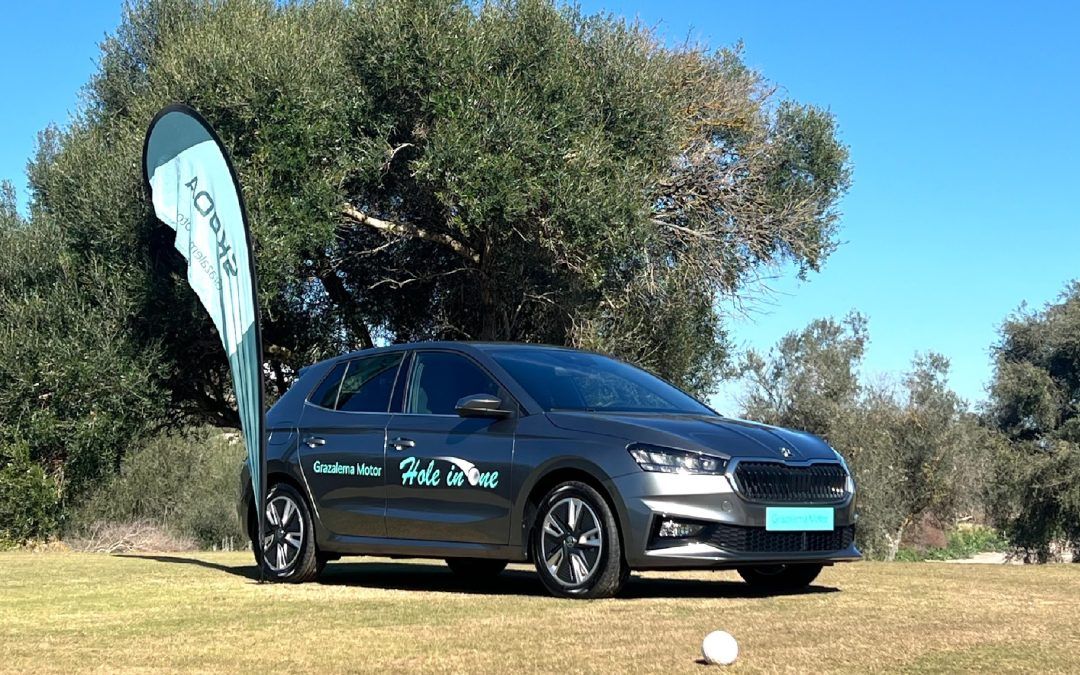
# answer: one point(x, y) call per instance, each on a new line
point(473, 475)
point(720, 648)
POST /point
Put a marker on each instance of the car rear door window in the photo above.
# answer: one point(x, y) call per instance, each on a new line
point(440, 379)
point(325, 395)
point(369, 383)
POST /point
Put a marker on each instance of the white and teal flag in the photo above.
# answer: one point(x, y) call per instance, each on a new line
point(195, 191)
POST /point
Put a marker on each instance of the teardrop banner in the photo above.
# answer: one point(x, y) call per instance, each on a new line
point(195, 190)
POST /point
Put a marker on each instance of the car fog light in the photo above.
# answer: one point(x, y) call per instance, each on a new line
point(673, 529)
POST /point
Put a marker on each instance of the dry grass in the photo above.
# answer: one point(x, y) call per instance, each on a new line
point(127, 537)
point(73, 611)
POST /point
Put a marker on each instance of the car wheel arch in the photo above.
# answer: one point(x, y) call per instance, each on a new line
point(546, 480)
point(273, 478)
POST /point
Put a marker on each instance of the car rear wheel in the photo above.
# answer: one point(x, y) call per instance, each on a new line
point(575, 543)
point(476, 569)
point(287, 552)
point(792, 577)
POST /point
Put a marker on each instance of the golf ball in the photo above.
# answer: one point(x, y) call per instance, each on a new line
point(720, 648)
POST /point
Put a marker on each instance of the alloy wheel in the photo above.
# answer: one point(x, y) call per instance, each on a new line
point(284, 533)
point(572, 541)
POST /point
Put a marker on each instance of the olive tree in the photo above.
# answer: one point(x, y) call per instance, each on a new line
point(914, 448)
point(1033, 402)
point(441, 169)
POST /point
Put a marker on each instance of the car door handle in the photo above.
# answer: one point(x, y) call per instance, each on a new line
point(314, 441)
point(400, 444)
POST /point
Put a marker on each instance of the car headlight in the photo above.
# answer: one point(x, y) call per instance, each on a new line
point(670, 460)
point(849, 482)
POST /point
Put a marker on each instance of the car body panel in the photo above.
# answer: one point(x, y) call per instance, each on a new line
point(340, 474)
point(474, 460)
point(715, 435)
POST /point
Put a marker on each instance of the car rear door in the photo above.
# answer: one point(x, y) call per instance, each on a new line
point(448, 477)
point(343, 444)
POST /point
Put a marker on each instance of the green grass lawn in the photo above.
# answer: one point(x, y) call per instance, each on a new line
point(68, 611)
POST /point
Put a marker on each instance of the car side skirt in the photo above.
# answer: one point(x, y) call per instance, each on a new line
point(417, 548)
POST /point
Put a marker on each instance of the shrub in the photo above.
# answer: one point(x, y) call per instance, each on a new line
point(964, 542)
point(185, 482)
point(29, 498)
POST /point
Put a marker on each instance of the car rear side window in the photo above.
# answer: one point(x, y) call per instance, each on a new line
point(325, 396)
point(369, 383)
point(440, 379)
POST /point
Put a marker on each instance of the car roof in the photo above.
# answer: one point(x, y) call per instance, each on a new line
point(460, 345)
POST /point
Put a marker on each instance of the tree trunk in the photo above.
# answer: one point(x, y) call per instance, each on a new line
point(894, 542)
point(488, 319)
point(347, 305)
point(488, 329)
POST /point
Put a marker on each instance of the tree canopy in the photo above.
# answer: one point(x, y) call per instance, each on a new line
point(439, 169)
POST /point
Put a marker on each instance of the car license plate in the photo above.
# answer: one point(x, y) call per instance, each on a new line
point(798, 518)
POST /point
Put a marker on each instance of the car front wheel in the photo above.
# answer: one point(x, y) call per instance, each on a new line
point(780, 578)
point(575, 543)
point(288, 551)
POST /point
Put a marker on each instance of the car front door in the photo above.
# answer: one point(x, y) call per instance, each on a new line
point(448, 477)
point(343, 444)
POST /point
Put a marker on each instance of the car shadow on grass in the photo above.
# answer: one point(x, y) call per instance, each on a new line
point(437, 578)
point(247, 571)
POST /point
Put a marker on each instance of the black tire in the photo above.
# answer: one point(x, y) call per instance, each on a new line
point(780, 578)
point(593, 540)
point(295, 556)
point(476, 569)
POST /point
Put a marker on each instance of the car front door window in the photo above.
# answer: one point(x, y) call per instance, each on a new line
point(440, 379)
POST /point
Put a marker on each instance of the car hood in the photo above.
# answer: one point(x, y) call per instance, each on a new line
point(714, 434)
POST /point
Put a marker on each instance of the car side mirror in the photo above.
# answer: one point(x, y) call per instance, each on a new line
point(481, 405)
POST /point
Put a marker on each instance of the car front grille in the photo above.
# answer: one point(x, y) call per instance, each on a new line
point(786, 483)
point(760, 540)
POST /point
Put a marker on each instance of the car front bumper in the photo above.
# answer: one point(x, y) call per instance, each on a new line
point(733, 528)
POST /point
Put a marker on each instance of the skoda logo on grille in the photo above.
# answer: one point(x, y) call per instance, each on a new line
point(786, 452)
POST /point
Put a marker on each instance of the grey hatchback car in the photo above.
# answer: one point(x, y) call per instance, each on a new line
point(487, 453)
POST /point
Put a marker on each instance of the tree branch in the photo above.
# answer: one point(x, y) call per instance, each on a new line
point(410, 230)
point(340, 296)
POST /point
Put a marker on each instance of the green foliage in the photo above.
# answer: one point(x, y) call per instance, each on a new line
point(913, 449)
point(810, 381)
point(413, 169)
point(964, 542)
point(508, 170)
point(29, 499)
point(72, 387)
point(186, 482)
point(1034, 397)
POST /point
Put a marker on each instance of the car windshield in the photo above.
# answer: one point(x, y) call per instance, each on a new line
point(561, 379)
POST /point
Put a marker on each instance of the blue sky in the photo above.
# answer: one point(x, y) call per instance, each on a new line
point(963, 121)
